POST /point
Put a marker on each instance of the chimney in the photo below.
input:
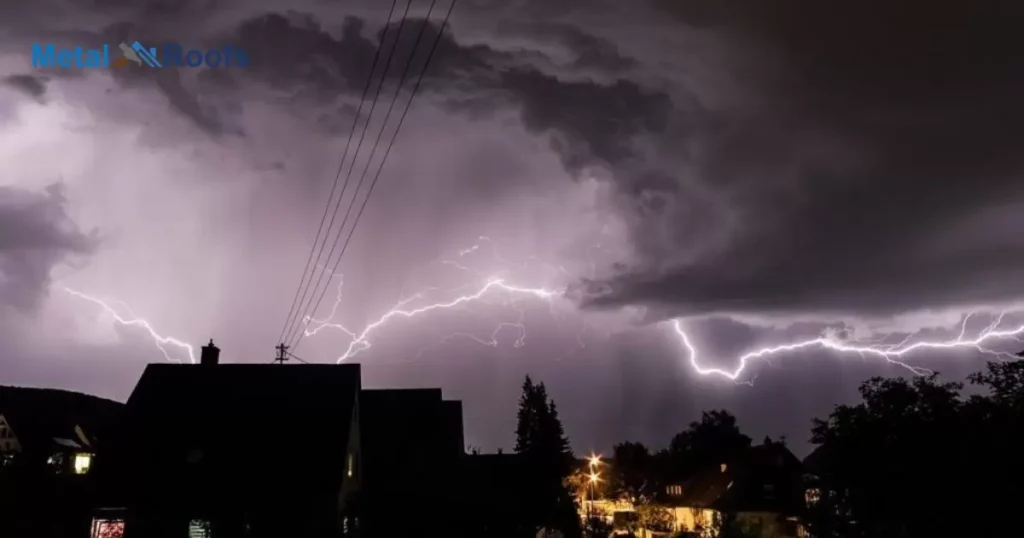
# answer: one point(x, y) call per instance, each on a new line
point(210, 354)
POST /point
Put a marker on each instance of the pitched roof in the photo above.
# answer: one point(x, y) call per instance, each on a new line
point(815, 461)
point(771, 455)
point(762, 479)
point(705, 489)
point(234, 413)
point(39, 416)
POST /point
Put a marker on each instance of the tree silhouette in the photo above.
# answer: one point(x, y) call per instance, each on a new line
point(914, 449)
point(632, 475)
point(541, 441)
point(715, 439)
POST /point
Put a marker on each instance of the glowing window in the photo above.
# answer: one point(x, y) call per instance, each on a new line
point(812, 496)
point(350, 465)
point(82, 463)
point(199, 528)
point(107, 528)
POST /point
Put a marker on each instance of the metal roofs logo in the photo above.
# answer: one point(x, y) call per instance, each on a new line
point(170, 55)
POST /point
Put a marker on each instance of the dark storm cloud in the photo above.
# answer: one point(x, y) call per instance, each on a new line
point(856, 137)
point(32, 86)
point(590, 51)
point(588, 122)
point(35, 235)
point(876, 136)
point(296, 51)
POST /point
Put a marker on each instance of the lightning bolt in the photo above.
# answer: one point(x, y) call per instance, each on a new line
point(889, 352)
point(829, 340)
point(162, 342)
point(360, 341)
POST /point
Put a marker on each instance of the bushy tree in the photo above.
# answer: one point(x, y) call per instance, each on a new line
point(724, 525)
point(633, 476)
point(913, 449)
point(715, 439)
point(655, 518)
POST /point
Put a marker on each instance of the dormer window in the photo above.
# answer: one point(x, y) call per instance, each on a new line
point(724, 467)
point(674, 490)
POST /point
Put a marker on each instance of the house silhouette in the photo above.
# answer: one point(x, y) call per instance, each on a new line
point(274, 450)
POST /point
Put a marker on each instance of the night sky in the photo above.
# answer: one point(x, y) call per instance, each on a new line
point(764, 172)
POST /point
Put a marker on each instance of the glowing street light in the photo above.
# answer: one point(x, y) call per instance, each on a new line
point(594, 460)
point(594, 478)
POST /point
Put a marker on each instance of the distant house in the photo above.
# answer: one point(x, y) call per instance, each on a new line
point(762, 491)
point(234, 450)
point(48, 440)
point(51, 430)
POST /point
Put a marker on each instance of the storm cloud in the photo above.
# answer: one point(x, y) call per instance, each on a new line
point(35, 236)
point(866, 161)
point(30, 85)
point(871, 166)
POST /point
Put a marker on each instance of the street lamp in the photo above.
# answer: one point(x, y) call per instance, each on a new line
point(594, 478)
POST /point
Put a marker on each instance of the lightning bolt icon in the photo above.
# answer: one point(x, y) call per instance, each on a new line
point(162, 342)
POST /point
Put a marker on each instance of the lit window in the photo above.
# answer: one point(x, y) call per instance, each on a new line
point(107, 528)
point(82, 463)
point(199, 528)
point(350, 465)
point(724, 467)
point(812, 496)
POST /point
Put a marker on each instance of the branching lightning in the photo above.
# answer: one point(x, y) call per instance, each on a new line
point(829, 340)
point(512, 294)
point(162, 342)
point(889, 352)
point(360, 341)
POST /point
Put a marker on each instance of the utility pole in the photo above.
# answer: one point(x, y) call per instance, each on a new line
point(282, 353)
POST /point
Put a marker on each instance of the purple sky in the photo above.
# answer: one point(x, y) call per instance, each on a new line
point(765, 175)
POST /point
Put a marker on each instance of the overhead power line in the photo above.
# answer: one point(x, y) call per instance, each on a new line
point(311, 266)
point(297, 322)
point(373, 151)
point(401, 120)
